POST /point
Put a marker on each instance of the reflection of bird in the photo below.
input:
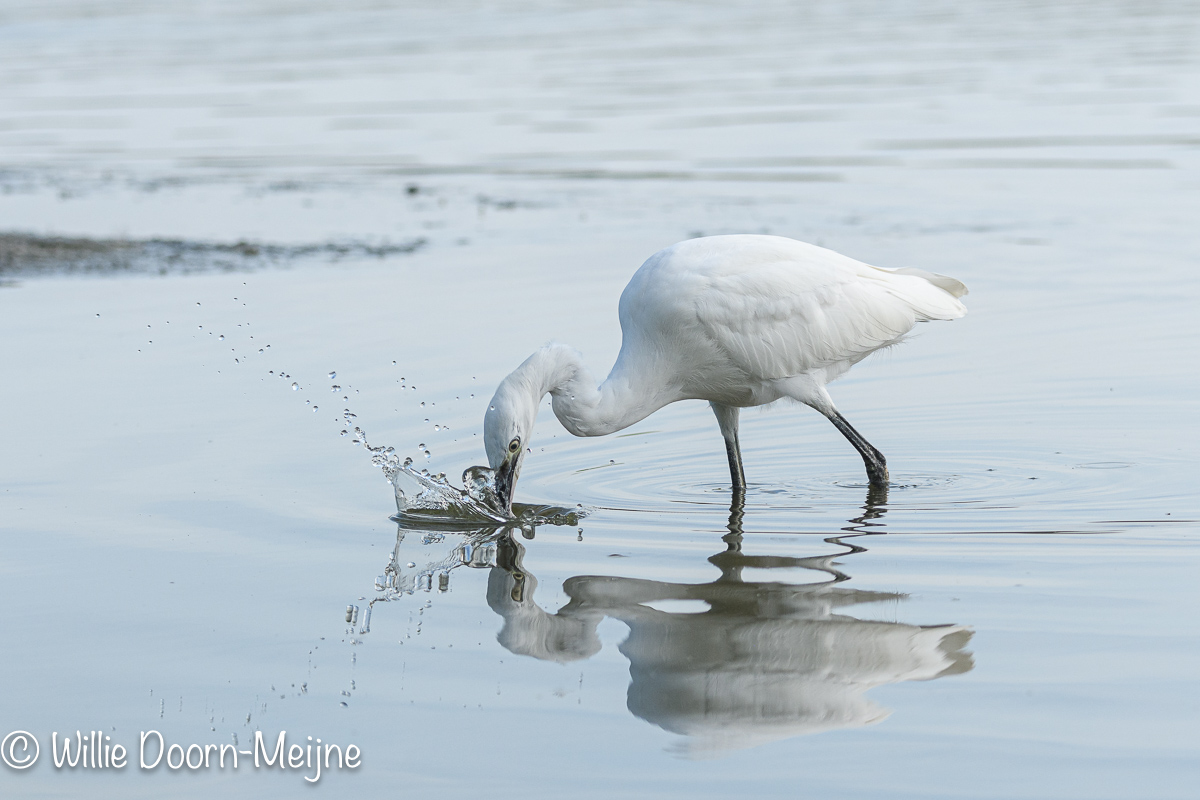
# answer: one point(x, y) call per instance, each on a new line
point(761, 661)
point(735, 320)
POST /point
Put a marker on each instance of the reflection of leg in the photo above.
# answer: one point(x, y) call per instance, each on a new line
point(737, 512)
point(877, 472)
point(727, 418)
point(877, 496)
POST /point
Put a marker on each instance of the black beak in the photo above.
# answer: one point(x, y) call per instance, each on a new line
point(506, 480)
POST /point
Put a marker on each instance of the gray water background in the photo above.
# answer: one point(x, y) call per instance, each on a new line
point(182, 534)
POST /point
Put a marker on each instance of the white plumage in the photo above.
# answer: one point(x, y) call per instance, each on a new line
point(738, 321)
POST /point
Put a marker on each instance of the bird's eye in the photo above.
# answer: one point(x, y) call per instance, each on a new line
point(514, 445)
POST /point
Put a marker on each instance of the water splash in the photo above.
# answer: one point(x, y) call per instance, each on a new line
point(422, 494)
point(474, 550)
point(426, 555)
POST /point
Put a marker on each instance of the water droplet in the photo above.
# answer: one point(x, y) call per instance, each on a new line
point(295, 386)
point(314, 408)
point(221, 337)
point(437, 427)
point(421, 446)
point(345, 432)
point(412, 564)
point(332, 375)
point(422, 404)
point(428, 454)
point(334, 388)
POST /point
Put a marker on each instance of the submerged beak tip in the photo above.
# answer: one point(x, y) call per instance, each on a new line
point(506, 479)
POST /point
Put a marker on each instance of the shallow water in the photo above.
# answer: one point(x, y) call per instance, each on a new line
point(191, 545)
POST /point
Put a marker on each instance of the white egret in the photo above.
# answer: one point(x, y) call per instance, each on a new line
point(739, 321)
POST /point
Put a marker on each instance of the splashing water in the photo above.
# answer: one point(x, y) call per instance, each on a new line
point(421, 494)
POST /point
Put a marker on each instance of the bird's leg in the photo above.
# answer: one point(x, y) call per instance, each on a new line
point(877, 472)
point(727, 418)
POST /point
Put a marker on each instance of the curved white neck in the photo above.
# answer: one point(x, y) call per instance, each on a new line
point(582, 407)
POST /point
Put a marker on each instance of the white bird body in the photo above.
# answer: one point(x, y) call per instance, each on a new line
point(739, 321)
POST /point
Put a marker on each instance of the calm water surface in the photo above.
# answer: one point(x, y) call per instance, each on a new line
point(191, 545)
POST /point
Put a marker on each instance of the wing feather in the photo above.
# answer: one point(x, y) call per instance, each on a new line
point(779, 308)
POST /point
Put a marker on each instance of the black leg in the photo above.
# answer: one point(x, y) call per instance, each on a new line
point(727, 418)
point(877, 473)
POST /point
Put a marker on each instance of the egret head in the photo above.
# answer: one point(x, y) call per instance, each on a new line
point(506, 429)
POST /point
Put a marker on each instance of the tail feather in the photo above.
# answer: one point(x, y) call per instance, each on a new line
point(929, 295)
point(943, 282)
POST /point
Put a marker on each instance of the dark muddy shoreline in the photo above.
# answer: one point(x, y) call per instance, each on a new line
point(26, 254)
